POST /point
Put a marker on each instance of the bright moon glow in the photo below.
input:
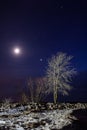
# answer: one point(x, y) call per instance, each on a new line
point(17, 51)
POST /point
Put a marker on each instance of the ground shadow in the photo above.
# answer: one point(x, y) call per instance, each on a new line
point(80, 123)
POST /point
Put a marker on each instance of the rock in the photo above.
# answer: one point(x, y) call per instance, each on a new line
point(39, 117)
point(2, 122)
point(17, 127)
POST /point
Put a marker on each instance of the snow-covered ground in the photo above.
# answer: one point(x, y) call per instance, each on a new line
point(20, 119)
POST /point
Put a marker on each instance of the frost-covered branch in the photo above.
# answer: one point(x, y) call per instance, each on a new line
point(59, 74)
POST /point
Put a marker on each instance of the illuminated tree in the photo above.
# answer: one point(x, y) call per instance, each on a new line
point(59, 74)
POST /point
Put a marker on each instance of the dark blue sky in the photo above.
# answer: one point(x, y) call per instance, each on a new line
point(41, 28)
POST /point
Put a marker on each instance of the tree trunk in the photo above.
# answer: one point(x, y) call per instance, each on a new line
point(55, 95)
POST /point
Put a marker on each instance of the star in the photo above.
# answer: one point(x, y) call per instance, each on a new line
point(41, 60)
point(61, 6)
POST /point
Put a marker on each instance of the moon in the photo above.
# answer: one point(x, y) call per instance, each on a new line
point(17, 51)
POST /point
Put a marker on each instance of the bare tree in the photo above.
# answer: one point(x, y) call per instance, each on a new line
point(37, 89)
point(59, 74)
point(31, 89)
point(24, 98)
point(40, 84)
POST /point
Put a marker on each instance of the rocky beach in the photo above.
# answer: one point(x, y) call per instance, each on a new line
point(46, 116)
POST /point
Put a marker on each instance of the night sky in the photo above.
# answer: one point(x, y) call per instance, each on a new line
point(41, 28)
